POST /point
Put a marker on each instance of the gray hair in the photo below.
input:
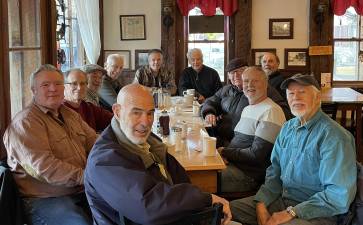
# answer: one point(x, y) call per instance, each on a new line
point(191, 51)
point(45, 67)
point(74, 70)
point(111, 58)
point(258, 69)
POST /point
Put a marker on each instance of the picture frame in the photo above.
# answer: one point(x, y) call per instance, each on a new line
point(257, 53)
point(297, 59)
point(132, 27)
point(141, 57)
point(281, 28)
point(126, 54)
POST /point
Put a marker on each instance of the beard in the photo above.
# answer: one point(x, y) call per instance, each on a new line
point(128, 131)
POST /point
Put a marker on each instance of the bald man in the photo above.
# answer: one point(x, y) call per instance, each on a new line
point(130, 175)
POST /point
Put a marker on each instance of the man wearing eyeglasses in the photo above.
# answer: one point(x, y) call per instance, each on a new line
point(47, 145)
point(74, 93)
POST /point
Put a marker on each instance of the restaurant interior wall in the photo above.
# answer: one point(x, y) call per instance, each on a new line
point(114, 8)
point(263, 10)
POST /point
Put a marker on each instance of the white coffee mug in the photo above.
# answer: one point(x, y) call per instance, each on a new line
point(209, 146)
point(188, 99)
point(189, 92)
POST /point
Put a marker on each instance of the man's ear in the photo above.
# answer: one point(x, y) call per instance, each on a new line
point(116, 108)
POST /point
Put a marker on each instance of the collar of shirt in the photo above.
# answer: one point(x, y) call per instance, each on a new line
point(309, 124)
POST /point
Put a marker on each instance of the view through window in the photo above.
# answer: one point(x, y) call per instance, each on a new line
point(348, 47)
point(69, 44)
point(211, 43)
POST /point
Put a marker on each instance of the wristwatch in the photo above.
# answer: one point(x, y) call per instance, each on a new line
point(291, 211)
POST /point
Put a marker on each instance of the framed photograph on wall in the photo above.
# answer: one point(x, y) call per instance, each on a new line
point(141, 57)
point(132, 27)
point(297, 59)
point(281, 28)
point(126, 55)
point(257, 53)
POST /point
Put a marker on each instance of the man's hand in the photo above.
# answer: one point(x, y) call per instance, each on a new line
point(211, 119)
point(226, 210)
point(262, 213)
point(279, 218)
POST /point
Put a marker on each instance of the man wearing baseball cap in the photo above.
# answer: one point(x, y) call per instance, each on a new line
point(94, 74)
point(312, 177)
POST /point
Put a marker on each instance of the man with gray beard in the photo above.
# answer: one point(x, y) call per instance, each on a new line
point(131, 176)
point(270, 63)
point(312, 177)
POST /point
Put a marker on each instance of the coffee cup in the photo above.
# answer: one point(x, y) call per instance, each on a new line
point(188, 99)
point(189, 92)
point(209, 146)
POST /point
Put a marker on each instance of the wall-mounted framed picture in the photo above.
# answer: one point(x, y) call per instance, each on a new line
point(141, 57)
point(126, 55)
point(297, 59)
point(132, 27)
point(281, 28)
point(257, 53)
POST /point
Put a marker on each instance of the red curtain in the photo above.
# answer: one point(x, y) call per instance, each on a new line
point(340, 6)
point(208, 7)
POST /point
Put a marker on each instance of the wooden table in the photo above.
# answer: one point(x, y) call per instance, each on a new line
point(351, 100)
point(202, 170)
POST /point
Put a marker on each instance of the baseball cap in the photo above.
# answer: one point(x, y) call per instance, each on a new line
point(90, 68)
point(235, 64)
point(303, 79)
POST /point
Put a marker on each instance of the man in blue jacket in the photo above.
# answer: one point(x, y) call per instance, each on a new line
point(312, 177)
point(131, 177)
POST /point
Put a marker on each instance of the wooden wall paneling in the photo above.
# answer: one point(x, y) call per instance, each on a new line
point(48, 17)
point(242, 31)
point(4, 75)
point(181, 45)
point(168, 8)
point(101, 59)
point(323, 36)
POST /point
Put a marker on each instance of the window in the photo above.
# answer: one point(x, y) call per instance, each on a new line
point(24, 49)
point(207, 33)
point(348, 47)
point(69, 44)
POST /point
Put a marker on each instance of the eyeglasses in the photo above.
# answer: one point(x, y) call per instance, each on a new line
point(76, 84)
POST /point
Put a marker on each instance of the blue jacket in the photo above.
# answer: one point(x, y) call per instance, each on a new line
point(118, 185)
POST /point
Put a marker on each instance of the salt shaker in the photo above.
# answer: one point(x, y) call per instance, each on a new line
point(176, 137)
point(196, 108)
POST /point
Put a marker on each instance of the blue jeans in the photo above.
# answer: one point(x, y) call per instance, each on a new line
point(67, 210)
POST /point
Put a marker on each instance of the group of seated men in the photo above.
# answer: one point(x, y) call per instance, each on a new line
point(306, 165)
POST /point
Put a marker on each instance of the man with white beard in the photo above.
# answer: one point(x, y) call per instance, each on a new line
point(130, 175)
point(312, 177)
point(270, 63)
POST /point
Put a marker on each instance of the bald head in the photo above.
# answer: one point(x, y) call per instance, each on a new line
point(135, 112)
point(133, 92)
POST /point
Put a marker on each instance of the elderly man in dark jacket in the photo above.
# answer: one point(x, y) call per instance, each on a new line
point(129, 174)
point(223, 110)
